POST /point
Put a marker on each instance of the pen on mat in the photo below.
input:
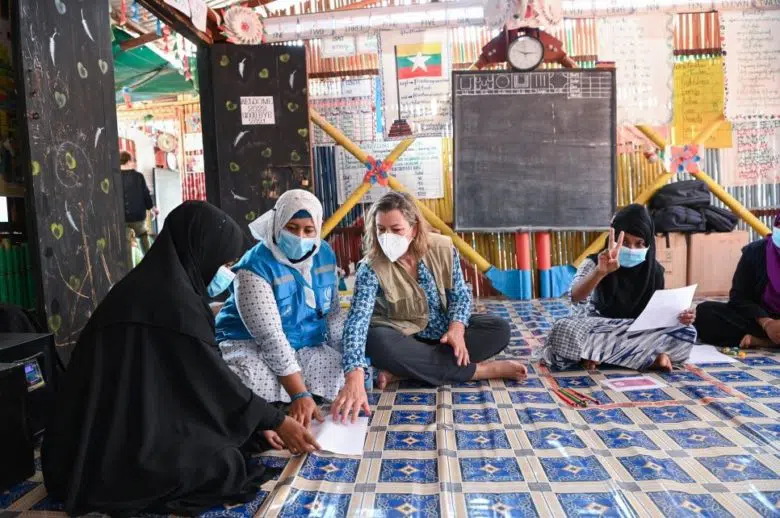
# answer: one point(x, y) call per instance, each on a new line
point(564, 398)
point(585, 396)
point(570, 394)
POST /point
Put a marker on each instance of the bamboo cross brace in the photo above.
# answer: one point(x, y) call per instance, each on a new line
point(467, 251)
point(659, 182)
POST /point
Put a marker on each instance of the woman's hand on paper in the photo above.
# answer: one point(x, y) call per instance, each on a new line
point(351, 399)
point(455, 338)
point(297, 438)
point(303, 410)
point(688, 317)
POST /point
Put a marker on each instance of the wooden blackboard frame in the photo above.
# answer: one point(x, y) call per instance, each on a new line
point(530, 228)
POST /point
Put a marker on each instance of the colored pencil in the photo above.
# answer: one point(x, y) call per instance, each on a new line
point(571, 396)
point(564, 398)
point(585, 396)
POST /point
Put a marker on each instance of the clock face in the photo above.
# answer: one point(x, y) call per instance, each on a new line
point(525, 53)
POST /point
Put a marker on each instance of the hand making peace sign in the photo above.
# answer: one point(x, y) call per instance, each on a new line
point(609, 258)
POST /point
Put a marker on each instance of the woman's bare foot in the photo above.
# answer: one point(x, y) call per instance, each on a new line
point(590, 365)
point(385, 378)
point(662, 363)
point(750, 341)
point(500, 369)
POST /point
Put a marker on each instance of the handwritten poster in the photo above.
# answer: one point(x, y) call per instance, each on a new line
point(416, 70)
point(641, 48)
point(199, 13)
point(755, 157)
point(420, 169)
point(751, 40)
point(338, 47)
point(367, 44)
point(257, 111)
point(349, 104)
point(698, 100)
point(181, 5)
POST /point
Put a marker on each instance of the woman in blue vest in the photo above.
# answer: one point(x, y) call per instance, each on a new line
point(280, 329)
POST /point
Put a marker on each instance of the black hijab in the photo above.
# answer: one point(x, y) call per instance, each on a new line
point(148, 416)
point(625, 292)
point(169, 288)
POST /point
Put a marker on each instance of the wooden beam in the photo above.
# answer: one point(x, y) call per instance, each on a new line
point(139, 41)
point(177, 21)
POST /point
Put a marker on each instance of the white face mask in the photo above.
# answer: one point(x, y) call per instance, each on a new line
point(393, 245)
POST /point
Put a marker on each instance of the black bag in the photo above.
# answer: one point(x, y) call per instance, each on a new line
point(719, 220)
point(688, 193)
point(678, 219)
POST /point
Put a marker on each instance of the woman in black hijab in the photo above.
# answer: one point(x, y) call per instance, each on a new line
point(149, 417)
point(610, 290)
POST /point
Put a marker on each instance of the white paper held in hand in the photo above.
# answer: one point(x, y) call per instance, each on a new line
point(664, 309)
point(342, 439)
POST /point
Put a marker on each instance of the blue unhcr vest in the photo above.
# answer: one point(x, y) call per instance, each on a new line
point(303, 326)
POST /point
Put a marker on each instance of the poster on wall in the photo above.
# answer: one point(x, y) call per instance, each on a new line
point(416, 68)
point(751, 43)
point(348, 104)
point(420, 169)
point(257, 111)
point(755, 157)
point(641, 48)
point(698, 100)
point(338, 47)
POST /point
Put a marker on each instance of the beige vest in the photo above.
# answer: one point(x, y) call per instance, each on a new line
point(403, 305)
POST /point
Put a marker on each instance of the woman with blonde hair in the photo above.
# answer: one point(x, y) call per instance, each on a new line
point(411, 311)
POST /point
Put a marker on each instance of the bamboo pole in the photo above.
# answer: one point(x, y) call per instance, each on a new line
point(715, 188)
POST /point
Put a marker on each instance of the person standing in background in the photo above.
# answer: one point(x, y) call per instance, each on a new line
point(137, 199)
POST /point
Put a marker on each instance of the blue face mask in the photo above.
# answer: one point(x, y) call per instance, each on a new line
point(221, 281)
point(631, 257)
point(776, 236)
point(295, 247)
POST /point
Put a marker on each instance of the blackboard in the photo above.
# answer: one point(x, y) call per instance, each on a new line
point(259, 143)
point(534, 150)
point(69, 144)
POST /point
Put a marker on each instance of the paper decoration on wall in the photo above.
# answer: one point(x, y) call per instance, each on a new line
point(420, 169)
point(348, 104)
point(683, 159)
point(751, 41)
point(338, 47)
point(416, 69)
point(243, 26)
point(536, 13)
point(755, 157)
point(641, 48)
point(181, 5)
point(199, 12)
point(698, 100)
point(166, 142)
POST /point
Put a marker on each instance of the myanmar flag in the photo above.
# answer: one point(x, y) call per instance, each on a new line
point(418, 60)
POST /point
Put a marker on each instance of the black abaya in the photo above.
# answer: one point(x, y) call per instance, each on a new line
point(149, 417)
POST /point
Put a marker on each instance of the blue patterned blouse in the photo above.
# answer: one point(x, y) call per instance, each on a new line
point(364, 297)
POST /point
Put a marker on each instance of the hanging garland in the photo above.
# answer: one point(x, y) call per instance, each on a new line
point(242, 26)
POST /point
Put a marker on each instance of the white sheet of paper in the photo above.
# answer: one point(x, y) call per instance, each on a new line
point(664, 309)
point(633, 383)
point(708, 354)
point(343, 439)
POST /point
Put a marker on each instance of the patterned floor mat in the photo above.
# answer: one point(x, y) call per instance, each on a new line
point(705, 445)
